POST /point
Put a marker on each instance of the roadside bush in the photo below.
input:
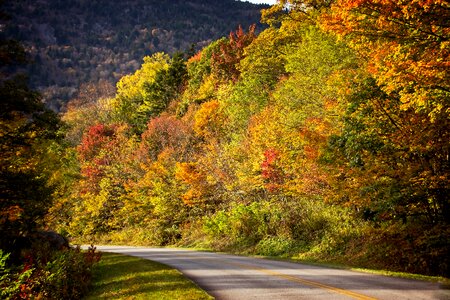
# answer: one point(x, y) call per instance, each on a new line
point(243, 225)
point(12, 280)
point(69, 273)
point(276, 246)
point(404, 248)
point(47, 273)
point(289, 227)
point(153, 233)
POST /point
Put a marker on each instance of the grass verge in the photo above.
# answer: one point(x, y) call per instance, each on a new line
point(337, 265)
point(119, 276)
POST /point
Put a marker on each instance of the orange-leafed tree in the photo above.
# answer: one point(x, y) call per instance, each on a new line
point(203, 184)
point(399, 120)
point(209, 120)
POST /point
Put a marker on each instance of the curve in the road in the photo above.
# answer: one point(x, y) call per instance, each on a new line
point(228, 277)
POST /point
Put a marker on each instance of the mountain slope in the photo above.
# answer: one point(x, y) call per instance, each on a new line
point(76, 42)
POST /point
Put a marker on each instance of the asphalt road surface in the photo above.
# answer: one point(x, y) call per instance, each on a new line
point(229, 277)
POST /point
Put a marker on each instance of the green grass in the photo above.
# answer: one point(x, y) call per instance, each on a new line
point(119, 276)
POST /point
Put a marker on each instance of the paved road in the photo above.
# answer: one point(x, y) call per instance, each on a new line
point(229, 277)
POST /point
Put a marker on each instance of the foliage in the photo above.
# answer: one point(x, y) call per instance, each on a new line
point(167, 132)
point(166, 87)
point(48, 274)
point(209, 120)
point(102, 155)
point(291, 142)
point(299, 225)
point(89, 107)
point(27, 128)
point(397, 115)
point(231, 51)
point(10, 282)
point(201, 83)
point(132, 90)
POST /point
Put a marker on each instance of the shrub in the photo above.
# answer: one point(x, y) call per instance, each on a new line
point(282, 227)
point(276, 246)
point(47, 273)
point(12, 280)
point(242, 224)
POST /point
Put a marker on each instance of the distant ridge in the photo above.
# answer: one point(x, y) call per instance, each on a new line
point(74, 42)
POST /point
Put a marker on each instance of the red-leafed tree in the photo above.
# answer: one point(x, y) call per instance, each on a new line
point(164, 132)
point(95, 155)
point(270, 171)
point(104, 155)
point(97, 137)
point(225, 61)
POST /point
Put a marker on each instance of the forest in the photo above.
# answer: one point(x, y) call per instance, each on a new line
point(325, 137)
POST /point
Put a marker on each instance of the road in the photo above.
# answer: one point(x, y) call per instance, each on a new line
point(230, 277)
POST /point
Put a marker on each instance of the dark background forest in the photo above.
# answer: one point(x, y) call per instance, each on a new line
point(72, 43)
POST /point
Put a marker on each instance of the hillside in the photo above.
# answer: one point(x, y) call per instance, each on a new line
point(290, 143)
point(78, 42)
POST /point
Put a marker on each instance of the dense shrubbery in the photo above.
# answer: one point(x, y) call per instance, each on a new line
point(297, 226)
point(47, 273)
point(316, 232)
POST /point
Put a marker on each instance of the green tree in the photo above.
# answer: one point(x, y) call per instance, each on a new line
point(132, 90)
point(168, 85)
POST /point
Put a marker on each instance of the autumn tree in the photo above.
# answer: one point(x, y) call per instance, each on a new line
point(225, 61)
point(167, 132)
point(168, 84)
point(103, 155)
point(202, 83)
point(399, 120)
point(209, 120)
point(154, 200)
point(148, 92)
point(132, 90)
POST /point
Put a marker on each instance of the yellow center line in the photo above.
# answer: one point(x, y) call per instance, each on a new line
point(291, 278)
point(305, 282)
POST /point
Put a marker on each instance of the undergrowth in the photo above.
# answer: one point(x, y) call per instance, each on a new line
point(306, 230)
